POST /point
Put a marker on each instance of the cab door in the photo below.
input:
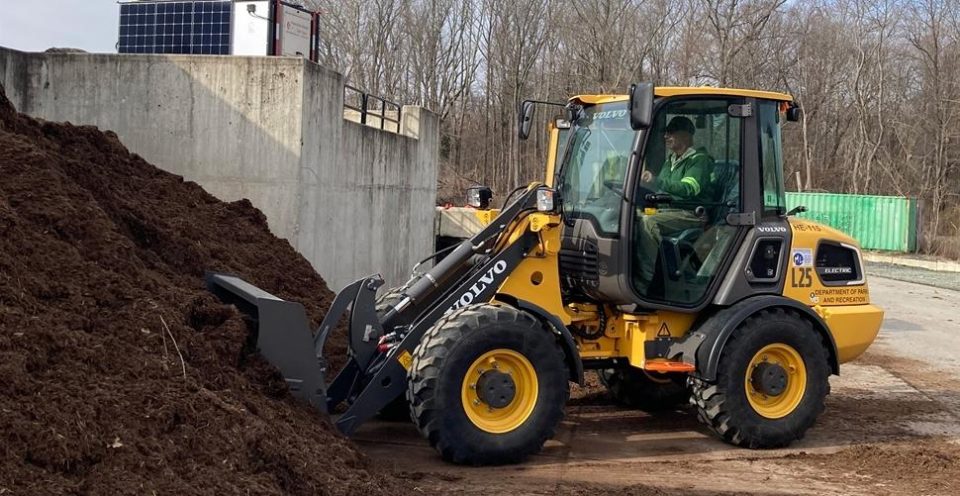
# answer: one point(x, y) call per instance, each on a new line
point(688, 208)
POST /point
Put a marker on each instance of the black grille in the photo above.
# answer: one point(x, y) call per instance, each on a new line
point(837, 264)
point(580, 269)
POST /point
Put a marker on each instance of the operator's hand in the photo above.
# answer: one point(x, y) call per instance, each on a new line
point(647, 176)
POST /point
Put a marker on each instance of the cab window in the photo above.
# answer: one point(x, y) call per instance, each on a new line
point(771, 161)
point(591, 181)
point(689, 183)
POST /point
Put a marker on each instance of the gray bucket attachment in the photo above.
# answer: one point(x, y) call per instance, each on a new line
point(283, 335)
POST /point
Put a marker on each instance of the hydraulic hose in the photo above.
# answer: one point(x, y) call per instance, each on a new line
point(438, 274)
point(432, 279)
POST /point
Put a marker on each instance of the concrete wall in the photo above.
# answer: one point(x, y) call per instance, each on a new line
point(353, 200)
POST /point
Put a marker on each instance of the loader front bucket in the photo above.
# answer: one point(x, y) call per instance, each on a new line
point(283, 336)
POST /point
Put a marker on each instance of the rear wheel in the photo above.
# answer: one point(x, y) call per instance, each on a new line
point(488, 385)
point(647, 391)
point(772, 379)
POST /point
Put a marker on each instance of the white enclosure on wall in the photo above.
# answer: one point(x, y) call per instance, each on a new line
point(251, 28)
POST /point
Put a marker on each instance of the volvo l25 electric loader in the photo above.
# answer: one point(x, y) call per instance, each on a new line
point(659, 252)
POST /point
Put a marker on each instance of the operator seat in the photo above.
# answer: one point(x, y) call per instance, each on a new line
point(691, 248)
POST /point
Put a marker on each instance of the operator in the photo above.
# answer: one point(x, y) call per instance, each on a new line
point(683, 176)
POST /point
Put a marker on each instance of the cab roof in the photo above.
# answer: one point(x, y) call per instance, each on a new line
point(663, 91)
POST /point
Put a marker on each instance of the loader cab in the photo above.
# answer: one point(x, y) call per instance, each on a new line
point(656, 216)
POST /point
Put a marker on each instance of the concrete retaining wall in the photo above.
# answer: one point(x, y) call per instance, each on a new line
point(353, 200)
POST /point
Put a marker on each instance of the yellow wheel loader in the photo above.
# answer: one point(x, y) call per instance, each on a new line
point(658, 252)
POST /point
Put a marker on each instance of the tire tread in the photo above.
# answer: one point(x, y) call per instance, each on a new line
point(715, 408)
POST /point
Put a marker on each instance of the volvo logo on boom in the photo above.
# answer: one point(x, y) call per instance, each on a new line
point(480, 286)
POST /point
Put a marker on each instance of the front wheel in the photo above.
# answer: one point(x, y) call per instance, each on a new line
point(772, 379)
point(488, 385)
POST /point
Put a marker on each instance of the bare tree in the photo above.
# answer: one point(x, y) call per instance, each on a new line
point(877, 79)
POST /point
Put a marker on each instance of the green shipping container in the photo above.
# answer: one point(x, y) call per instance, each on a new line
point(877, 222)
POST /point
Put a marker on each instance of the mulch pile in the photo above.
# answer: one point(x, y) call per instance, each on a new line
point(119, 373)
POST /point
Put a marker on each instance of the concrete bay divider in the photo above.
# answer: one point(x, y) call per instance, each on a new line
point(354, 200)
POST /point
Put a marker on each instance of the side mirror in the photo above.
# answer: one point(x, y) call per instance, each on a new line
point(793, 113)
point(641, 106)
point(526, 118)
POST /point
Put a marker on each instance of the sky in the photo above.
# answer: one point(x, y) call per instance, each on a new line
point(91, 25)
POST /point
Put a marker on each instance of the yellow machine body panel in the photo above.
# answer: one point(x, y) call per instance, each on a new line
point(536, 279)
point(552, 149)
point(486, 216)
point(625, 335)
point(665, 91)
point(854, 328)
point(846, 309)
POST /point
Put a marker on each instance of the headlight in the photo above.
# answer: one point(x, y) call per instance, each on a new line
point(473, 197)
point(479, 197)
point(545, 200)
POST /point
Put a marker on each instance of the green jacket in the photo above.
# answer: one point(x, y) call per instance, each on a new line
point(688, 178)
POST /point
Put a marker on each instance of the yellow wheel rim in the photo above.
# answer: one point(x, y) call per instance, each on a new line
point(518, 410)
point(774, 406)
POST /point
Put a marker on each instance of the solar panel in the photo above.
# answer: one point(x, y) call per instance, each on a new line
point(198, 27)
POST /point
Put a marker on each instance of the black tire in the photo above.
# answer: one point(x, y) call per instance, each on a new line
point(724, 407)
point(388, 299)
point(397, 410)
point(441, 363)
point(650, 392)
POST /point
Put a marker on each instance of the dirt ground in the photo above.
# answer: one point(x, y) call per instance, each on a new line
point(891, 426)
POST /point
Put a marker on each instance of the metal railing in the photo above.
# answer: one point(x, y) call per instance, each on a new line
point(357, 100)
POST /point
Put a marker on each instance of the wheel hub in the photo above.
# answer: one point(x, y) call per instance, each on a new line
point(769, 379)
point(496, 389)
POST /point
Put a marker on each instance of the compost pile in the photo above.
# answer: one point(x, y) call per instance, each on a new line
point(119, 373)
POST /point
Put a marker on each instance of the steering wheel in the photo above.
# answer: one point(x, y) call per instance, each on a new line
point(642, 192)
point(615, 186)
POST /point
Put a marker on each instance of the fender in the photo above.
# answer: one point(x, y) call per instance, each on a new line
point(704, 346)
point(574, 364)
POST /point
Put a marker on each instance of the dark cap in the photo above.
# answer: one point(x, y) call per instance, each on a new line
point(680, 123)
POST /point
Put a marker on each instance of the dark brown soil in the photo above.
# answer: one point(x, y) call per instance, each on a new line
point(101, 264)
point(592, 392)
